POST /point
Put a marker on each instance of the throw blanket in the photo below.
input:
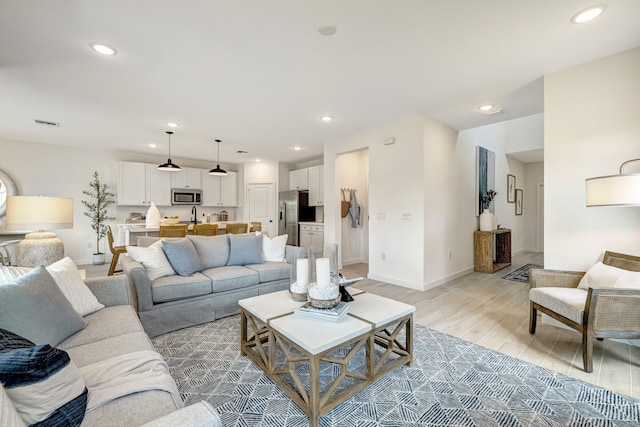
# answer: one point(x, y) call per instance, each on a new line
point(126, 374)
point(354, 209)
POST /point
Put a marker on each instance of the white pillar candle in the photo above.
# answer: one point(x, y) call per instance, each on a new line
point(323, 269)
point(302, 273)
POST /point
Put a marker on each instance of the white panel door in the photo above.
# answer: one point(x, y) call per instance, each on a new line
point(262, 206)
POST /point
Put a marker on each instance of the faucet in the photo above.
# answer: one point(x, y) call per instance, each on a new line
point(194, 212)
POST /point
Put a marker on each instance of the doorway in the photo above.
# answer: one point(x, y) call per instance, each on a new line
point(540, 217)
point(262, 205)
point(352, 176)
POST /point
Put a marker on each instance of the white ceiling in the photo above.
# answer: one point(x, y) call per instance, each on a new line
point(258, 75)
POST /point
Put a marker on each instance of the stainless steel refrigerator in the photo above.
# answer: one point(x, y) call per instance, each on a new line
point(293, 207)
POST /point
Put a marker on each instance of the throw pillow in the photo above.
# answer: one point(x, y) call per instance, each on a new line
point(33, 306)
point(274, 249)
point(68, 279)
point(153, 260)
point(606, 276)
point(182, 256)
point(7, 274)
point(245, 249)
point(8, 414)
point(213, 251)
point(43, 383)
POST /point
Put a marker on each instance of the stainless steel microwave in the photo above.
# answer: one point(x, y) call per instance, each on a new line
point(186, 196)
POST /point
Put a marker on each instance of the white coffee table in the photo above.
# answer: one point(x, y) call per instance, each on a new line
point(278, 342)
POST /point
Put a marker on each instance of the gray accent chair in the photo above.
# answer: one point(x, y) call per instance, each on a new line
point(174, 302)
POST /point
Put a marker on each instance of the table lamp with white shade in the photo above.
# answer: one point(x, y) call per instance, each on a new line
point(39, 213)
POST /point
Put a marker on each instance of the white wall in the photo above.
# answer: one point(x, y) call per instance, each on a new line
point(533, 175)
point(353, 172)
point(65, 171)
point(591, 127)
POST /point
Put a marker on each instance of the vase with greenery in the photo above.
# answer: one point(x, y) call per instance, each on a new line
point(99, 200)
point(487, 218)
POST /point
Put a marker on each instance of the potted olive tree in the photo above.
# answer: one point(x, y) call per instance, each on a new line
point(99, 200)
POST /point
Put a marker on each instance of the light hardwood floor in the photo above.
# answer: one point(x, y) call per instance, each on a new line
point(492, 312)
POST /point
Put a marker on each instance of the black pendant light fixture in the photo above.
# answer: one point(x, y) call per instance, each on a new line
point(169, 167)
point(218, 171)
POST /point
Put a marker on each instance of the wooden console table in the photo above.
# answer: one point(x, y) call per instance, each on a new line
point(485, 243)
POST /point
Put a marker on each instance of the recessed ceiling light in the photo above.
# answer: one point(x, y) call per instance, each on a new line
point(326, 118)
point(297, 148)
point(152, 145)
point(587, 14)
point(103, 49)
point(173, 125)
point(486, 107)
point(327, 30)
point(258, 160)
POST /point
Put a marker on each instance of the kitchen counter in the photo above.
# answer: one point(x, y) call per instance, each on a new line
point(125, 230)
point(311, 223)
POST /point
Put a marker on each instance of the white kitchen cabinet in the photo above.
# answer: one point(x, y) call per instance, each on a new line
point(220, 190)
point(311, 235)
point(299, 179)
point(187, 178)
point(139, 184)
point(316, 185)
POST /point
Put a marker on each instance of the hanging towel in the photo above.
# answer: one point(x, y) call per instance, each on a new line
point(354, 209)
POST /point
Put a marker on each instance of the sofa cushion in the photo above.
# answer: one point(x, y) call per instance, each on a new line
point(270, 271)
point(180, 287)
point(107, 348)
point(105, 323)
point(133, 410)
point(22, 310)
point(212, 250)
point(245, 249)
point(42, 382)
point(231, 277)
point(153, 260)
point(182, 256)
point(606, 276)
point(568, 302)
point(273, 249)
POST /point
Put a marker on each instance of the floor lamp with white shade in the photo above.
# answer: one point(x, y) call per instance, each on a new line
point(39, 213)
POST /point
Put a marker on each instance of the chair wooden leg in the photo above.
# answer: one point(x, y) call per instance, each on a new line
point(587, 351)
point(533, 317)
point(114, 262)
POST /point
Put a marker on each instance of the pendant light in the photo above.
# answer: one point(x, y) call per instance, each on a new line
point(169, 167)
point(218, 171)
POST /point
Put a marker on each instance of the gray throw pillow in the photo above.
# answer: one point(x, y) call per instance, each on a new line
point(245, 249)
point(182, 256)
point(34, 307)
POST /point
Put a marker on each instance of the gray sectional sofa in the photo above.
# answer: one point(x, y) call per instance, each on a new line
point(177, 301)
point(108, 335)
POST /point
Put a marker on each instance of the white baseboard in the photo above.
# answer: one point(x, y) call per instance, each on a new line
point(394, 281)
point(436, 283)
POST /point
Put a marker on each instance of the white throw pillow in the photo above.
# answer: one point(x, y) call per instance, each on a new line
point(67, 277)
point(153, 259)
point(274, 249)
point(606, 276)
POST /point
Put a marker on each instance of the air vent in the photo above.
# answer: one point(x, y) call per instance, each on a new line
point(241, 152)
point(46, 123)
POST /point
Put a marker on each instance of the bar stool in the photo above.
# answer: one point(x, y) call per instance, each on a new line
point(115, 251)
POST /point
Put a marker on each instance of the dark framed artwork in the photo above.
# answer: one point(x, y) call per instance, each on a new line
point(519, 201)
point(511, 188)
point(485, 176)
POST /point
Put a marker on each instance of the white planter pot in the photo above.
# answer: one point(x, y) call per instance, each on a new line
point(486, 220)
point(98, 259)
point(153, 217)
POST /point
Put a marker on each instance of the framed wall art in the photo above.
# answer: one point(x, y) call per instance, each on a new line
point(519, 201)
point(485, 176)
point(511, 188)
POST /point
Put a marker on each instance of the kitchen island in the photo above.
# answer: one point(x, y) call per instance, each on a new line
point(128, 233)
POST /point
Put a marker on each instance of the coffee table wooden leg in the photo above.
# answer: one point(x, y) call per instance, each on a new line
point(243, 332)
point(409, 339)
point(314, 391)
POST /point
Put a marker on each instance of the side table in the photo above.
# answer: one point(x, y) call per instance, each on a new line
point(486, 245)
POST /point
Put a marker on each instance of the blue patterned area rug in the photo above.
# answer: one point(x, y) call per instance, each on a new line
point(521, 274)
point(451, 383)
